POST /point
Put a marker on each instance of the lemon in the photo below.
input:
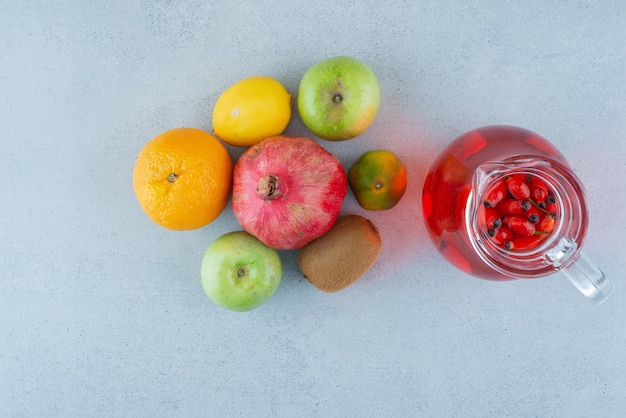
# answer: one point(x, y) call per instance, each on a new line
point(250, 110)
point(378, 180)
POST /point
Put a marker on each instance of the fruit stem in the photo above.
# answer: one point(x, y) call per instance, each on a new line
point(172, 177)
point(535, 204)
point(337, 98)
point(267, 187)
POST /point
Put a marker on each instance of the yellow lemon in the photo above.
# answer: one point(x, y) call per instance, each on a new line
point(250, 110)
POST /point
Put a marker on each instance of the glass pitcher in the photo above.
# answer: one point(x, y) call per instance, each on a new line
point(502, 203)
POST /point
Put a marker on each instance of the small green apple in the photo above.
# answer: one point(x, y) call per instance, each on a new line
point(239, 272)
point(338, 98)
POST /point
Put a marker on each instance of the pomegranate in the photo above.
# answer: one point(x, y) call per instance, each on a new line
point(287, 191)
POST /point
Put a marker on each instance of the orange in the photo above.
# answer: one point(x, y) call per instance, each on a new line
point(183, 178)
point(378, 180)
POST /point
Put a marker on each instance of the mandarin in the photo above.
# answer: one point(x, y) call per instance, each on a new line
point(378, 180)
point(183, 178)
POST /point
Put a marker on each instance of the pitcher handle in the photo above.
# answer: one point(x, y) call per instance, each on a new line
point(588, 279)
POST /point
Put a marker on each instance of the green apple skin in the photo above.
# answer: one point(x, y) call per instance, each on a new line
point(239, 272)
point(338, 98)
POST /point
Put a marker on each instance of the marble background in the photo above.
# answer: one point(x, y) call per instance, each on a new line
point(102, 312)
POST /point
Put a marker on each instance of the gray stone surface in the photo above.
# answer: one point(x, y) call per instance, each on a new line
point(102, 312)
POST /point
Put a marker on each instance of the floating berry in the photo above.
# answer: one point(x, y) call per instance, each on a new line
point(514, 206)
point(517, 187)
point(520, 225)
point(546, 223)
point(493, 218)
point(502, 235)
point(524, 243)
point(538, 190)
point(496, 194)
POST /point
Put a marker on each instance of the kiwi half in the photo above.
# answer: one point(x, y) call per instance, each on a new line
point(343, 255)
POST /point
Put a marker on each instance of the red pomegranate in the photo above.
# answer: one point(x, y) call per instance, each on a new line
point(287, 191)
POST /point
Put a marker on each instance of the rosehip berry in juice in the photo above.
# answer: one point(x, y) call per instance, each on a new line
point(493, 218)
point(502, 235)
point(546, 223)
point(517, 187)
point(496, 194)
point(520, 226)
point(524, 243)
point(514, 206)
point(538, 190)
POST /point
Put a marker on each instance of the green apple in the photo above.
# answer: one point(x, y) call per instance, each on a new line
point(239, 272)
point(338, 98)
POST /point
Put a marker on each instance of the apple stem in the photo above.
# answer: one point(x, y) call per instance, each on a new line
point(267, 187)
point(337, 98)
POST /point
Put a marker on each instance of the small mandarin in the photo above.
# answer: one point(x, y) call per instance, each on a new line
point(378, 180)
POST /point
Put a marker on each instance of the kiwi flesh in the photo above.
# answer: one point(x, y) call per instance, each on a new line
point(343, 255)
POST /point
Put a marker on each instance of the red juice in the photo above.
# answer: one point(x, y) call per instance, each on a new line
point(462, 187)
